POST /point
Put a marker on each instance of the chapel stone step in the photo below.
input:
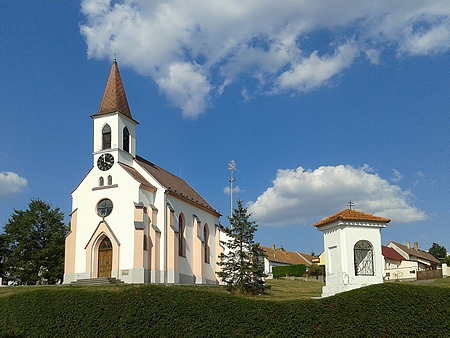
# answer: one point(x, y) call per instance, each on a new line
point(97, 281)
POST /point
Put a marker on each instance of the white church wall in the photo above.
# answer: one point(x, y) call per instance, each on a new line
point(85, 199)
point(194, 256)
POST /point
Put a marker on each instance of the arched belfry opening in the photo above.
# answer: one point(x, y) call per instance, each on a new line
point(106, 137)
point(105, 257)
point(126, 140)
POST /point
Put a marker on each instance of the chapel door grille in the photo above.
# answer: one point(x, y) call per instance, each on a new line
point(363, 252)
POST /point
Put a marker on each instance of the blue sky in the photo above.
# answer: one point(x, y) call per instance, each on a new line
point(318, 103)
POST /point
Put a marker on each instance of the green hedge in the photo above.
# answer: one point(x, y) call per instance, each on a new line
point(383, 310)
point(290, 270)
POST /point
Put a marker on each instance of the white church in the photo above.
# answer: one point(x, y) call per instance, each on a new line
point(132, 220)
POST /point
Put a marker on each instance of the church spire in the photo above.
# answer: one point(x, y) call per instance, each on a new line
point(114, 98)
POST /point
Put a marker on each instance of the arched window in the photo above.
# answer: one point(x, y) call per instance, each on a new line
point(126, 139)
point(101, 181)
point(105, 244)
point(109, 180)
point(363, 254)
point(181, 240)
point(106, 137)
point(206, 238)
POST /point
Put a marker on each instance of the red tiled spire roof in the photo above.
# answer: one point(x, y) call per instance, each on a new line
point(114, 98)
point(352, 215)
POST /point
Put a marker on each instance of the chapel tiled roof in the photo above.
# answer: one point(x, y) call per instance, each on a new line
point(175, 185)
point(351, 215)
point(282, 256)
point(391, 254)
point(114, 98)
point(416, 253)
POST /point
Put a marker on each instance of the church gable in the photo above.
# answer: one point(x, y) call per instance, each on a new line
point(175, 185)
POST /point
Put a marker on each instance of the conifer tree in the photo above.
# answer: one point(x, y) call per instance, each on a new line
point(243, 261)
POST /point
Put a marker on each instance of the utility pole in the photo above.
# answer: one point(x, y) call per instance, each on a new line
point(232, 169)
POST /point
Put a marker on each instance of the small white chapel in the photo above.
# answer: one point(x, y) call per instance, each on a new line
point(132, 220)
point(352, 244)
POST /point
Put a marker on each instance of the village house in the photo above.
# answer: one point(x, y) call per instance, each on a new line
point(281, 257)
point(403, 262)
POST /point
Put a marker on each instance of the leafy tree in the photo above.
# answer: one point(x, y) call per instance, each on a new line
point(446, 260)
point(33, 244)
point(438, 251)
point(242, 264)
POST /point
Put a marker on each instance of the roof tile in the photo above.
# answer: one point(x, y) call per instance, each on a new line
point(114, 98)
point(351, 215)
point(417, 253)
point(286, 257)
point(175, 185)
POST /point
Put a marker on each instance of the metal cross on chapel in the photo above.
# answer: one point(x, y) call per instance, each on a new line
point(350, 205)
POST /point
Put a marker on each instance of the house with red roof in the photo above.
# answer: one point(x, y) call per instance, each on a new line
point(281, 257)
point(396, 267)
point(403, 262)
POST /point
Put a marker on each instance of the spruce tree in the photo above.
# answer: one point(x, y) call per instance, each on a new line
point(243, 261)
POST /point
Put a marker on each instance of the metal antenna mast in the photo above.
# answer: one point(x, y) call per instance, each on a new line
point(232, 169)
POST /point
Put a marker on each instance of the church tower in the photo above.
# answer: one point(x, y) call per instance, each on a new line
point(114, 127)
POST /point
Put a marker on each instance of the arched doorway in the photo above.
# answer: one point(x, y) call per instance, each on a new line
point(105, 258)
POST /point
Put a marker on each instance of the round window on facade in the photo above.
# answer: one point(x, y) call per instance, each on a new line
point(104, 207)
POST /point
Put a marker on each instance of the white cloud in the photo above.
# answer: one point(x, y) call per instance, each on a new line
point(397, 176)
point(187, 88)
point(11, 184)
point(314, 71)
point(196, 48)
point(236, 190)
point(303, 197)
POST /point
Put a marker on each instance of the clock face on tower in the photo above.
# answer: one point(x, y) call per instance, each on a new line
point(105, 161)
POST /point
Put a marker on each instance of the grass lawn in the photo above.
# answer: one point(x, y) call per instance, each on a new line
point(278, 289)
point(283, 289)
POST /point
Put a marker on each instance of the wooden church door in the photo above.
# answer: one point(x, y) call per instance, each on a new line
point(105, 258)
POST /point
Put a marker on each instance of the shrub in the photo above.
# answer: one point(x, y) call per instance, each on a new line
point(382, 310)
point(290, 270)
point(316, 270)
